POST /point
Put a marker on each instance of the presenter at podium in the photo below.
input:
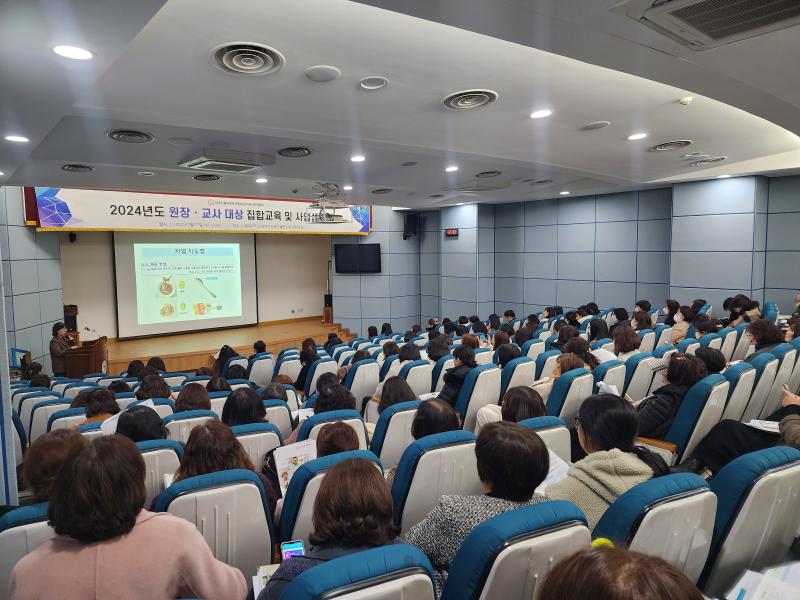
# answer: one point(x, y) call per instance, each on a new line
point(59, 346)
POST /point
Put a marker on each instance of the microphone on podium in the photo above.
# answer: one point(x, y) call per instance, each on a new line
point(94, 331)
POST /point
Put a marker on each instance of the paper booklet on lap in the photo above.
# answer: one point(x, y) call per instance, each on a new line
point(109, 426)
point(289, 458)
point(603, 388)
point(429, 396)
point(768, 426)
point(302, 414)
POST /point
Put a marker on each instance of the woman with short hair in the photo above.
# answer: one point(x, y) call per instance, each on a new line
point(464, 362)
point(242, 407)
point(193, 396)
point(766, 336)
point(140, 424)
point(100, 405)
point(153, 386)
point(626, 343)
point(683, 318)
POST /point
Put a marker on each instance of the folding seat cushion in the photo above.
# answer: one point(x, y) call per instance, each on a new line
point(20, 437)
point(363, 377)
point(317, 368)
point(688, 345)
point(648, 340)
point(519, 371)
point(532, 348)
point(280, 415)
point(418, 375)
point(741, 379)
point(395, 572)
point(386, 364)
point(393, 432)
point(638, 375)
point(66, 418)
point(309, 430)
point(180, 424)
point(234, 360)
point(663, 334)
point(443, 463)
point(758, 495)
point(201, 379)
point(261, 368)
point(766, 367)
point(161, 457)
point(554, 434)
point(786, 355)
point(509, 555)
point(545, 363)
point(258, 439)
point(743, 341)
point(671, 517)
point(22, 530)
point(711, 340)
point(481, 387)
point(298, 503)
point(439, 370)
point(484, 356)
point(175, 378)
point(611, 372)
point(230, 509)
point(40, 416)
point(288, 365)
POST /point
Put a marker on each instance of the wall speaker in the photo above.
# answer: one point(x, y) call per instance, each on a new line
point(410, 225)
point(71, 317)
point(328, 300)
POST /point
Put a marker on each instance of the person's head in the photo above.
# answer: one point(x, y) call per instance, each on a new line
point(372, 331)
point(470, 340)
point(433, 334)
point(792, 329)
point(59, 329)
point(353, 507)
point(606, 422)
point(334, 397)
point(358, 356)
point(332, 337)
point(101, 402)
point(480, 327)
point(326, 380)
point(431, 324)
point(494, 322)
point(157, 363)
point(225, 353)
point(45, 457)
point(118, 387)
point(500, 338)
point(713, 359)
point(465, 356)
point(567, 361)
point(620, 314)
point(765, 332)
point(81, 399)
point(409, 352)
point(274, 391)
point(218, 384)
point(626, 340)
point(463, 320)
point(532, 322)
point(146, 372)
point(581, 348)
point(386, 329)
point(671, 307)
point(284, 379)
point(212, 447)
point(236, 372)
point(99, 491)
point(40, 380)
point(509, 315)
point(390, 349)
point(449, 327)
point(558, 325)
point(507, 327)
point(512, 460)
point(307, 344)
point(684, 315)
point(395, 390)
point(704, 325)
point(409, 335)
point(522, 335)
point(204, 372)
point(243, 406)
point(727, 304)
point(640, 320)
point(571, 317)
point(522, 402)
point(134, 368)
point(141, 423)
point(474, 319)
point(434, 416)
point(308, 356)
point(566, 333)
point(31, 370)
point(697, 304)
point(153, 386)
point(592, 308)
point(598, 329)
point(461, 330)
point(437, 350)
point(259, 347)
point(192, 396)
point(685, 369)
point(616, 574)
point(336, 437)
point(642, 306)
point(506, 353)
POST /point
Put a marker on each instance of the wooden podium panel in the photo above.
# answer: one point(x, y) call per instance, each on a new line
point(90, 357)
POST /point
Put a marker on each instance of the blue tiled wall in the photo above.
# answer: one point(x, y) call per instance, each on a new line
point(459, 261)
point(781, 242)
point(429, 265)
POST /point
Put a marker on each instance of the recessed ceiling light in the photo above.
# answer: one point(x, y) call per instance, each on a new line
point(723, 176)
point(451, 169)
point(146, 173)
point(322, 73)
point(347, 188)
point(21, 139)
point(1, 173)
point(373, 83)
point(131, 136)
point(541, 114)
point(564, 193)
point(358, 158)
point(637, 136)
point(73, 52)
point(261, 180)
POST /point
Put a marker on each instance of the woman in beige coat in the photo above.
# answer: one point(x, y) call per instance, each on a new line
point(683, 318)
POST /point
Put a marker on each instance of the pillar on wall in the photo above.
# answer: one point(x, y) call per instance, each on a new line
point(782, 269)
point(718, 239)
point(459, 261)
point(429, 234)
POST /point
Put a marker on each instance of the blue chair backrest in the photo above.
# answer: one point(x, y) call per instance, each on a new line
point(508, 372)
point(437, 368)
point(312, 372)
point(230, 361)
point(61, 414)
point(152, 445)
point(600, 371)
point(382, 427)
point(631, 365)
point(689, 411)
point(707, 339)
point(597, 344)
point(333, 415)
point(542, 359)
point(465, 394)
point(661, 350)
point(684, 344)
point(387, 363)
point(557, 396)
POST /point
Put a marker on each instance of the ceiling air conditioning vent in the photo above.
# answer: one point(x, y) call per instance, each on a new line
point(704, 24)
point(228, 161)
point(481, 185)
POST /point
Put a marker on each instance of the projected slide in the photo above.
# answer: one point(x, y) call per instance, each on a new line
point(187, 282)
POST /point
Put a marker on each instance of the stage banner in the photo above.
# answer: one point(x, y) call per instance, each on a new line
point(63, 209)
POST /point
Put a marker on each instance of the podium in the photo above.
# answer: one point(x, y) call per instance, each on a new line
point(90, 357)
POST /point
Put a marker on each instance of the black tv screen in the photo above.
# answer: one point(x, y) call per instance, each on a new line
point(358, 258)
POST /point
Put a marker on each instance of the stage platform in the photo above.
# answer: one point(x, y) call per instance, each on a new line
point(189, 351)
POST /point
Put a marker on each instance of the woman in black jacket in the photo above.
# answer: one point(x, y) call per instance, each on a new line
point(307, 358)
point(657, 411)
point(454, 378)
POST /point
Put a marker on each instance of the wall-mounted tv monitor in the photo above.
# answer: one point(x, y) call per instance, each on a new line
point(358, 258)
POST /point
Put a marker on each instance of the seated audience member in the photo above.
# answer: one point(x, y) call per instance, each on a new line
point(508, 327)
point(242, 407)
point(44, 459)
point(792, 329)
point(500, 338)
point(582, 315)
point(494, 324)
point(704, 324)
point(727, 306)
point(436, 350)
point(449, 327)
point(352, 512)
point(766, 336)
point(657, 411)
point(626, 343)
point(532, 322)
point(334, 438)
point(307, 358)
point(395, 390)
point(519, 403)
point(192, 396)
point(747, 311)
point(386, 329)
point(621, 319)
point(100, 405)
point(153, 386)
point(218, 384)
point(564, 363)
point(592, 308)
point(454, 378)
point(157, 363)
point(331, 397)
point(580, 348)
point(223, 355)
point(509, 315)
point(147, 371)
point(640, 321)
point(284, 379)
point(506, 353)
point(326, 380)
point(390, 349)
point(432, 325)
point(134, 367)
point(258, 348)
point(432, 335)
point(522, 335)
point(512, 462)
point(642, 306)
point(712, 358)
point(407, 354)
point(274, 391)
point(434, 416)
point(236, 372)
point(598, 330)
point(40, 380)
point(308, 344)
point(118, 387)
point(463, 320)
point(683, 318)
point(470, 340)
point(204, 372)
point(697, 304)
point(140, 424)
point(571, 317)
point(670, 309)
point(333, 341)
point(565, 334)
point(616, 574)
point(358, 356)
point(96, 508)
point(408, 336)
point(79, 401)
point(480, 327)
point(607, 427)
point(372, 332)
point(730, 439)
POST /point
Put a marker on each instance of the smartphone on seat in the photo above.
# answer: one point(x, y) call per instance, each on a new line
point(292, 548)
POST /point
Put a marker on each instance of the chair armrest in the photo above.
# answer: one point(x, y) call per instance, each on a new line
point(666, 450)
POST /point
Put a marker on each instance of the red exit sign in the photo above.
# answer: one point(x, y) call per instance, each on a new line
point(451, 233)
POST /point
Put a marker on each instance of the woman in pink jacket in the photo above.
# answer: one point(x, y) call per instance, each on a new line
point(107, 546)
